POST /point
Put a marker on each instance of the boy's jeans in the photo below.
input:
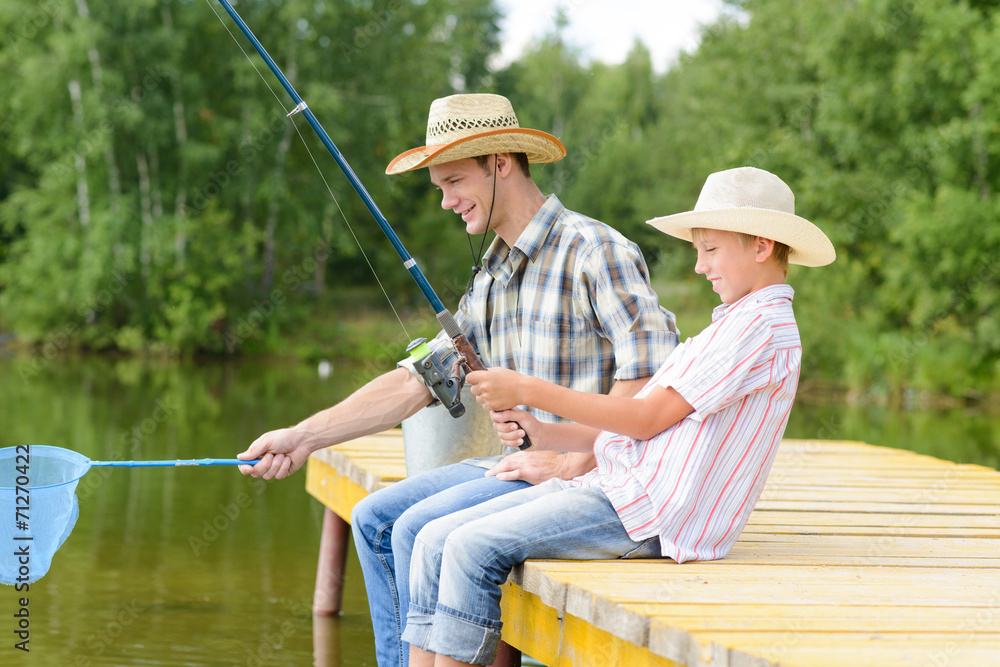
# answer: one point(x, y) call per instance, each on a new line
point(384, 525)
point(460, 561)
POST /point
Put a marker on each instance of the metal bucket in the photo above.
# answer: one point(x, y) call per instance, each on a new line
point(433, 438)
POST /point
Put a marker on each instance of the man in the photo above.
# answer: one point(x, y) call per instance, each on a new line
point(560, 296)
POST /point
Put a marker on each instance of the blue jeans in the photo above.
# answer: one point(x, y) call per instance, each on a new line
point(384, 526)
point(460, 561)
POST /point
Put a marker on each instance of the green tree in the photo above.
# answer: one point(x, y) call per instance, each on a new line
point(163, 200)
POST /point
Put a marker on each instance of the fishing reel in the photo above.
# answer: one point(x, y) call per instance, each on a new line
point(446, 387)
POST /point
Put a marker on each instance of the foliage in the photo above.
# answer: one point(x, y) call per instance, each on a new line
point(161, 199)
point(206, 226)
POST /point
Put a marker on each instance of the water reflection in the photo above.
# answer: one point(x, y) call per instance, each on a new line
point(326, 641)
point(206, 567)
point(964, 435)
point(192, 566)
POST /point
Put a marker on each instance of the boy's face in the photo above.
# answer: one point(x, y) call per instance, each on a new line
point(733, 270)
point(467, 189)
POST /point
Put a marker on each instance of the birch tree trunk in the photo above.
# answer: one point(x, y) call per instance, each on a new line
point(146, 213)
point(271, 224)
point(82, 191)
point(97, 75)
point(273, 209)
point(181, 133)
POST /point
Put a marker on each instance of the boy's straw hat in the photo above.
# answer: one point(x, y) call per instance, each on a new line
point(463, 126)
point(756, 202)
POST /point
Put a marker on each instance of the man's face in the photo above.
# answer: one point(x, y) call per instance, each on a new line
point(466, 189)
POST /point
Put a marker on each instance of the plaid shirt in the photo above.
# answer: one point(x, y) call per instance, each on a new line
point(569, 303)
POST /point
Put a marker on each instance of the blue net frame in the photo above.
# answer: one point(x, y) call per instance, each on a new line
point(38, 507)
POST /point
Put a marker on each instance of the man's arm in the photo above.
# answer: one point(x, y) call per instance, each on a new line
point(381, 404)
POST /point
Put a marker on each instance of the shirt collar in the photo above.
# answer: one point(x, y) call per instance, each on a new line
point(751, 300)
point(529, 244)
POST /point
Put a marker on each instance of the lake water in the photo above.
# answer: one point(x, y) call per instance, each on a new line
point(202, 566)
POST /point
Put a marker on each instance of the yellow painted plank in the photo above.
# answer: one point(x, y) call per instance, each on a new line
point(645, 582)
point(793, 649)
point(778, 553)
point(778, 617)
point(532, 627)
point(875, 546)
point(788, 654)
point(924, 641)
point(837, 472)
point(791, 593)
point(863, 505)
point(760, 518)
point(657, 570)
point(332, 489)
point(583, 645)
point(904, 530)
point(941, 500)
point(564, 640)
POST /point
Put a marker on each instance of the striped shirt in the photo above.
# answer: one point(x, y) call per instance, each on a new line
point(695, 484)
point(570, 303)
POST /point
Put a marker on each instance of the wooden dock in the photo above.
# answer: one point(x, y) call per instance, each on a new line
point(855, 555)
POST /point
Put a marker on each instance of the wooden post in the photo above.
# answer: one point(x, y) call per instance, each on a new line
point(332, 560)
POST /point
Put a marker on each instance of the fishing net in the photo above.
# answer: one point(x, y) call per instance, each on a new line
point(38, 508)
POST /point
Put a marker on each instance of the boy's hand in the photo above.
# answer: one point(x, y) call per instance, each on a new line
point(497, 388)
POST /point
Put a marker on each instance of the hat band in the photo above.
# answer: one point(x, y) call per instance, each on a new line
point(438, 132)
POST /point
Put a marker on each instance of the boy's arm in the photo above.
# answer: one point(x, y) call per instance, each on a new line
point(640, 418)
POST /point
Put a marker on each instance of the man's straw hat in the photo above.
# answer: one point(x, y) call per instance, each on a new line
point(755, 202)
point(464, 126)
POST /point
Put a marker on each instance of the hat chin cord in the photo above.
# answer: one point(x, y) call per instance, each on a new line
point(476, 259)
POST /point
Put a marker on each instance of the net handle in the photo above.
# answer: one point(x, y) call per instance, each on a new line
point(178, 462)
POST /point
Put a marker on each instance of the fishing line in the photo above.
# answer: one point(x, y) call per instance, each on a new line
point(318, 169)
point(467, 355)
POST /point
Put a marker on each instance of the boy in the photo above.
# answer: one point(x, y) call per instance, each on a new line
point(679, 467)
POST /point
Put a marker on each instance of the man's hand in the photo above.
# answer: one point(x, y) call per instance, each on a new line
point(537, 467)
point(281, 453)
point(513, 426)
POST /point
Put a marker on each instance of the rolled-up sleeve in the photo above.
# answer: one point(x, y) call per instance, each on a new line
point(626, 310)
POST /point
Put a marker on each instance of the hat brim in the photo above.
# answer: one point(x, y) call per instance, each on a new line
point(809, 245)
point(537, 145)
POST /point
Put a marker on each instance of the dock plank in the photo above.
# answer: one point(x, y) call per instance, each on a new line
point(856, 555)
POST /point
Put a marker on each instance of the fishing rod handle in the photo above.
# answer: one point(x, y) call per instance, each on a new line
point(468, 355)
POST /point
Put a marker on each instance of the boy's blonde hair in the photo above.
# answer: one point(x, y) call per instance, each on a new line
point(779, 254)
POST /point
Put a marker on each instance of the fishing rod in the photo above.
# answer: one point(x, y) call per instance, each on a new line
point(445, 388)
